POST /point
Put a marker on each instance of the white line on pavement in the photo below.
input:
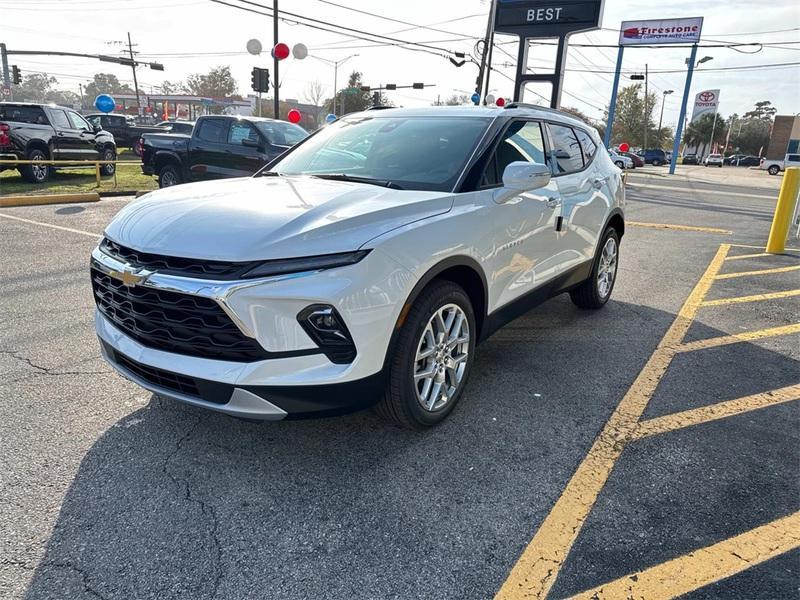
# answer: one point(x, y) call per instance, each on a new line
point(81, 232)
point(633, 187)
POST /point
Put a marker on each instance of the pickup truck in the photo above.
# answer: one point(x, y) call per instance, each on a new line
point(219, 147)
point(41, 132)
point(124, 129)
point(773, 167)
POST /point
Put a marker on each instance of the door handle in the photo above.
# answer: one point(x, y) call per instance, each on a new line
point(553, 202)
point(598, 183)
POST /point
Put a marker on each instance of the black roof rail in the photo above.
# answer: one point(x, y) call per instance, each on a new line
point(380, 107)
point(535, 107)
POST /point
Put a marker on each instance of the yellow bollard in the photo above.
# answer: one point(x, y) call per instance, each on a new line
point(784, 210)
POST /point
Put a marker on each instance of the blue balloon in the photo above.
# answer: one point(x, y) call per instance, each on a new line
point(476, 97)
point(330, 118)
point(105, 103)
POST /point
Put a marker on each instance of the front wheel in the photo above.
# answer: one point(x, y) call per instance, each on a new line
point(431, 359)
point(656, 163)
point(773, 170)
point(620, 164)
point(595, 291)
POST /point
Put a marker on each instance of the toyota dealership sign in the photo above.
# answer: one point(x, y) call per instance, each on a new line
point(661, 31)
point(706, 101)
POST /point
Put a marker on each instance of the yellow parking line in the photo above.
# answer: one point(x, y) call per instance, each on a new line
point(721, 410)
point(756, 255)
point(537, 568)
point(678, 227)
point(703, 567)
point(746, 336)
point(759, 272)
point(754, 298)
point(762, 247)
point(50, 225)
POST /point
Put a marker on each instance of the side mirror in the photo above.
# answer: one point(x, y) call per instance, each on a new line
point(520, 177)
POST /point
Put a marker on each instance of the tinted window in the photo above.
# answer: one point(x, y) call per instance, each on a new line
point(240, 131)
point(95, 120)
point(282, 134)
point(588, 146)
point(422, 153)
point(522, 141)
point(566, 151)
point(22, 114)
point(794, 157)
point(78, 122)
point(213, 130)
point(60, 119)
point(117, 121)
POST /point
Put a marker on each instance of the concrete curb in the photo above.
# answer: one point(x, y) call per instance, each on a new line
point(8, 201)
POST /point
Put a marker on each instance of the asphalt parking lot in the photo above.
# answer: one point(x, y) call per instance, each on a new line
point(647, 450)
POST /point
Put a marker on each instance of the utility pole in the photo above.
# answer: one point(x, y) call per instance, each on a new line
point(133, 68)
point(485, 54)
point(646, 115)
point(6, 75)
point(275, 61)
point(491, 47)
point(661, 119)
point(80, 89)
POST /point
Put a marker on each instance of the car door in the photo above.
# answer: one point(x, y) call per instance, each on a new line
point(68, 143)
point(582, 183)
point(86, 134)
point(525, 225)
point(246, 149)
point(208, 154)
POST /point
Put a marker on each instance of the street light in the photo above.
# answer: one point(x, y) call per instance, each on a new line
point(335, 64)
point(665, 93)
point(705, 59)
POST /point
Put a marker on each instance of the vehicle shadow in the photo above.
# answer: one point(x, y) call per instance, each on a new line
point(174, 502)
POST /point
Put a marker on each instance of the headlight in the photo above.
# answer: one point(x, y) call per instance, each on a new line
point(307, 263)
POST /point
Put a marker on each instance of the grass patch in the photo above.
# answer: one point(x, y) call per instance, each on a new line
point(69, 180)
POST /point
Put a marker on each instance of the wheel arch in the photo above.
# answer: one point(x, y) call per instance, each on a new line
point(39, 145)
point(165, 158)
point(617, 221)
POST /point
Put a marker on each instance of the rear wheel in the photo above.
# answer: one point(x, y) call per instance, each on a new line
point(595, 291)
point(620, 164)
point(168, 176)
point(108, 168)
point(431, 359)
point(37, 172)
point(773, 170)
point(656, 163)
point(138, 147)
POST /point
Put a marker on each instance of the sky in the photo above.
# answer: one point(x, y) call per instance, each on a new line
point(190, 36)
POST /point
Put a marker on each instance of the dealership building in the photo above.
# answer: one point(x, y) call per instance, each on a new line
point(785, 137)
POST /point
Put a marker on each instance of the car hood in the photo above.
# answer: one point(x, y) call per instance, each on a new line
point(262, 218)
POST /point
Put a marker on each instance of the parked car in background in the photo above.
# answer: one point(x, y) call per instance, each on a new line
point(690, 159)
point(361, 268)
point(713, 160)
point(41, 132)
point(219, 146)
point(124, 129)
point(623, 162)
point(773, 167)
point(655, 157)
point(743, 160)
point(637, 160)
point(184, 127)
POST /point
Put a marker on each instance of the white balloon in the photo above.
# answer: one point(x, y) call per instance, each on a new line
point(489, 99)
point(299, 51)
point(254, 46)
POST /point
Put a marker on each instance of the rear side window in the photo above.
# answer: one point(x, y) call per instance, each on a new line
point(522, 141)
point(566, 150)
point(22, 114)
point(794, 158)
point(588, 147)
point(60, 119)
point(241, 131)
point(213, 130)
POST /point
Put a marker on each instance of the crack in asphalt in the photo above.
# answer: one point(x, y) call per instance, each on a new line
point(84, 577)
point(42, 371)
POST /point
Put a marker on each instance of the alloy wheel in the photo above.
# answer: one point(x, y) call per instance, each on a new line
point(607, 269)
point(441, 359)
point(38, 168)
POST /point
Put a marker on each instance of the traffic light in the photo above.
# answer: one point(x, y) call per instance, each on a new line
point(259, 80)
point(16, 76)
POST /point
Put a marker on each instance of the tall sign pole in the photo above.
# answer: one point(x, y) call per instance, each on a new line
point(6, 74)
point(612, 108)
point(676, 146)
point(275, 61)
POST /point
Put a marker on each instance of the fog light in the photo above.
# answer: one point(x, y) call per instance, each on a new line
point(325, 326)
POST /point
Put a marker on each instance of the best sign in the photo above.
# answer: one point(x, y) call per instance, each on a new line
point(666, 31)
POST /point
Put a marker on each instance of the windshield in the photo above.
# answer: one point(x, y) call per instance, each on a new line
point(281, 134)
point(415, 153)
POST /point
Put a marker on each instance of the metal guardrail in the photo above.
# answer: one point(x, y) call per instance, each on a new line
point(76, 164)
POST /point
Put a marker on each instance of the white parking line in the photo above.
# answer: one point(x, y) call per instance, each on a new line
point(50, 225)
point(634, 186)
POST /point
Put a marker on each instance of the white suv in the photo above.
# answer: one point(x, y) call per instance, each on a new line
point(362, 266)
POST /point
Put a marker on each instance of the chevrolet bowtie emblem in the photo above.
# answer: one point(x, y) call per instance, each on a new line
point(130, 277)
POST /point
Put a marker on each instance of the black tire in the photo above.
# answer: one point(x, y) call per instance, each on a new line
point(774, 170)
point(108, 170)
point(588, 295)
point(138, 148)
point(35, 173)
point(400, 404)
point(168, 176)
point(656, 163)
point(620, 164)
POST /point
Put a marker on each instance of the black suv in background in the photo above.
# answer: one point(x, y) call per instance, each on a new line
point(40, 132)
point(655, 157)
point(220, 146)
point(124, 129)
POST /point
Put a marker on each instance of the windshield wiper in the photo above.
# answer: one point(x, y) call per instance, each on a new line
point(356, 179)
point(269, 174)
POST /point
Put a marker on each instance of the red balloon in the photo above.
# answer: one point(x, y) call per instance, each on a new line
point(501, 102)
point(294, 116)
point(280, 51)
point(624, 147)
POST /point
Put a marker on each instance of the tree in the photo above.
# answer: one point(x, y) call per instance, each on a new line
point(217, 83)
point(699, 133)
point(454, 100)
point(315, 94)
point(169, 87)
point(763, 111)
point(630, 120)
point(40, 87)
point(577, 113)
point(105, 83)
point(353, 98)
